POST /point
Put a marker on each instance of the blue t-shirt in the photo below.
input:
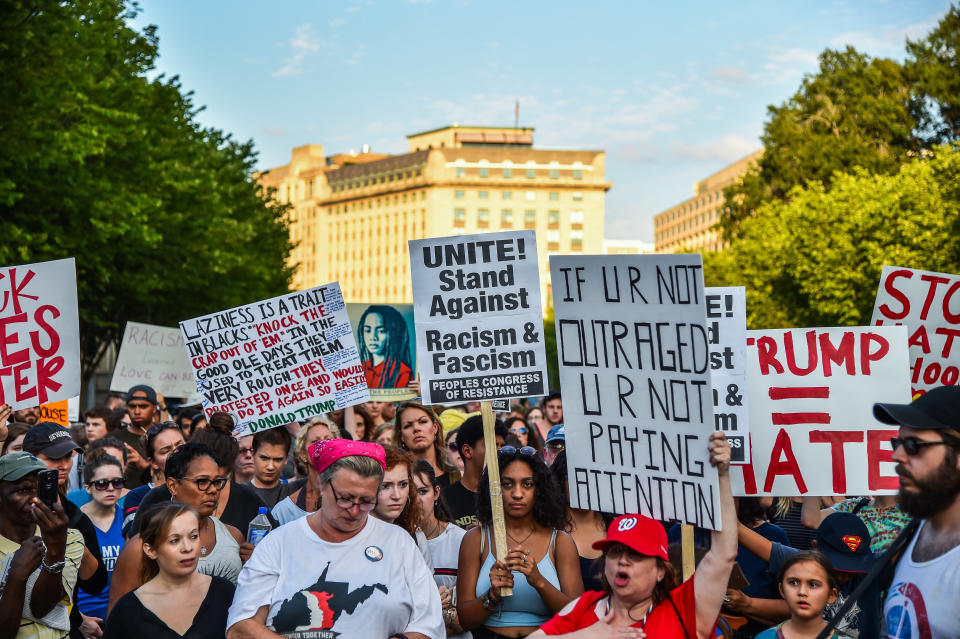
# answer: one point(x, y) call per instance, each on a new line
point(111, 541)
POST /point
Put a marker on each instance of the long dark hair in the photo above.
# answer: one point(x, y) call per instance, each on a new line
point(533, 434)
point(548, 511)
point(397, 353)
point(425, 471)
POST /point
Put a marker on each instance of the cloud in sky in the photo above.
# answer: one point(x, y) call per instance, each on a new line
point(304, 42)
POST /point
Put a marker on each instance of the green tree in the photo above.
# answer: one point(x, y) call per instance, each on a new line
point(550, 344)
point(934, 68)
point(815, 259)
point(99, 162)
point(856, 111)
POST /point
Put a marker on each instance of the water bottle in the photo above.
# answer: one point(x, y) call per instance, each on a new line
point(259, 527)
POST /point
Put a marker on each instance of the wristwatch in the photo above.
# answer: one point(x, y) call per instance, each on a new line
point(487, 601)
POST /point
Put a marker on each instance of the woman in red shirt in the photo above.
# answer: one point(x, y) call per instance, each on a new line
point(641, 596)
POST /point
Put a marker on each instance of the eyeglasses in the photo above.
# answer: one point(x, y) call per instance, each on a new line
point(103, 484)
point(912, 445)
point(246, 450)
point(522, 430)
point(347, 504)
point(203, 484)
point(527, 451)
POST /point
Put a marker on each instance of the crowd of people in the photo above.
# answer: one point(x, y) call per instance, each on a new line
point(382, 526)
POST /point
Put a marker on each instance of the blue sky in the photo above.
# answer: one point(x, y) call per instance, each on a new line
point(672, 91)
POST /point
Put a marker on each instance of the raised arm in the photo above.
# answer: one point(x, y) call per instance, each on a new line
point(711, 576)
point(811, 515)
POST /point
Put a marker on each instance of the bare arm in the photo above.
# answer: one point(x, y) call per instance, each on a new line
point(711, 576)
point(126, 572)
point(754, 542)
point(811, 515)
point(470, 609)
point(253, 628)
point(24, 561)
point(568, 571)
point(88, 565)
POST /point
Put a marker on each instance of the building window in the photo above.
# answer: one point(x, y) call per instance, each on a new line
point(507, 195)
point(578, 174)
point(459, 217)
point(506, 217)
point(461, 171)
point(483, 195)
point(554, 196)
point(531, 196)
point(530, 218)
point(553, 218)
point(576, 240)
point(459, 194)
point(483, 218)
point(531, 172)
point(576, 217)
point(507, 171)
point(553, 240)
point(577, 196)
point(554, 173)
point(484, 170)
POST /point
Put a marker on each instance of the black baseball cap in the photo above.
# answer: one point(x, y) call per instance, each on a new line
point(937, 409)
point(146, 393)
point(845, 540)
point(53, 440)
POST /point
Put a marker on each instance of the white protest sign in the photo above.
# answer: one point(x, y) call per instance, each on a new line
point(928, 304)
point(727, 330)
point(635, 372)
point(153, 355)
point(479, 325)
point(277, 361)
point(39, 333)
point(812, 428)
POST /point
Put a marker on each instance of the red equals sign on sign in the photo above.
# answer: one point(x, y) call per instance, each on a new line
point(799, 392)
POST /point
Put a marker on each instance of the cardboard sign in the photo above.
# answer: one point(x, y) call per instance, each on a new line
point(56, 412)
point(277, 361)
point(386, 342)
point(635, 371)
point(476, 300)
point(812, 392)
point(727, 329)
point(153, 355)
point(928, 304)
point(39, 333)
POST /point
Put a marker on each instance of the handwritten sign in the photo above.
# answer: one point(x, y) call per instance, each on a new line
point(476, 300)
point(56, 412)
point(812, 428)
point(928, 304)
point(635, 371)
point(39, 333)
point(277, 361)
point(153, 355)
point(727, 330)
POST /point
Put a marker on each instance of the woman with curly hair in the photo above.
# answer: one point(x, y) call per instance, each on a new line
point(397, 502)
point(541, 562)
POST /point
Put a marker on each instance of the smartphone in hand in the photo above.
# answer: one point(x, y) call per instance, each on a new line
point(47, 481)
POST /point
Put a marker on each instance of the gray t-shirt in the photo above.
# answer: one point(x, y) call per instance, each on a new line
point(270, 496)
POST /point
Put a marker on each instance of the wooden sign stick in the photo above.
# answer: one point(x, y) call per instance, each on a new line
point(499, 541)
point(688, 559)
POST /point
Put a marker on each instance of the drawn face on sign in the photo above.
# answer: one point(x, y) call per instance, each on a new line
point(375, 335)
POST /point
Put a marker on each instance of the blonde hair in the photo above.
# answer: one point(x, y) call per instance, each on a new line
point(301, 458)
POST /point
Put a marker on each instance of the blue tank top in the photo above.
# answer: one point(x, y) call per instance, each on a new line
point(110, 541)
point(525, 607)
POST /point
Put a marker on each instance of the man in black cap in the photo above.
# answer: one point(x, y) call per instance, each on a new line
point(143, 409)
point(923, 598)
point(39, 555)
point(52, 445)
point(845, 540)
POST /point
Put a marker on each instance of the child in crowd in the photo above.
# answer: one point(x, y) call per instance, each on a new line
point(808, 584)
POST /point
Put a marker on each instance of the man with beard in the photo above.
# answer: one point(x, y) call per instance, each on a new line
point(923, 596)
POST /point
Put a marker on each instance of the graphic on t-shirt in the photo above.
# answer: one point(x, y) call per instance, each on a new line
point(850, 624)
point(907, 616)
point(312, 612)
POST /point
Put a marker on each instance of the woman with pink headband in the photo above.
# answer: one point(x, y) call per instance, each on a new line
point(338, 569)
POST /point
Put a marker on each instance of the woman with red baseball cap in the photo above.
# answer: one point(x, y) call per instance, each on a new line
point(641, 596)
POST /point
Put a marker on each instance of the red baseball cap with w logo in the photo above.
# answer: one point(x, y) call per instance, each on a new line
point(641, 534)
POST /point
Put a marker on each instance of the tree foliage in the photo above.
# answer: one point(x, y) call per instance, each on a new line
point(815, 259)
point(934, 68)
point(102, 163)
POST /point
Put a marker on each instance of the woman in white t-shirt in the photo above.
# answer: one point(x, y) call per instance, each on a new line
point(397, 502)
point(338, 571)
point(443, 540)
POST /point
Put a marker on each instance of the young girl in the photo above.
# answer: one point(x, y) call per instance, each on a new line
point(808, 584)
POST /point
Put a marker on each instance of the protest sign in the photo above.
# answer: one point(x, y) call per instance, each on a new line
point(280, 360)
point(812, 428)
point(56, 412)
point(635, 371)
point(727, 330)
point(385, 340)
point(928, 304)
point(39, 333)
point(153, 355)
point(476, 300)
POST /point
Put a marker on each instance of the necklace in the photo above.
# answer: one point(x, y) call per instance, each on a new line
point(433, 534)
point(203, 549)
point(520, 541)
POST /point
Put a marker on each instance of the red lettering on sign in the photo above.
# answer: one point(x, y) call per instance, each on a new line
point(767, 353)
point(877, 455)
point(812, 357)
point(935, 281)
point(866, 355)
point(789, 466)
point(842, 354)
point(900, 296)
point(836, 439)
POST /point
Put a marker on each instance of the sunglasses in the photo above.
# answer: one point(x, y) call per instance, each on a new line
point(522, 430)
point(103, 484)
point(912, 445)
point(526, 451)
point(453, 447)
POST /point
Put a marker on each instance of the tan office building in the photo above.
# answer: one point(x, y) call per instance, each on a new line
point(692, 224)
point(353, 213)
